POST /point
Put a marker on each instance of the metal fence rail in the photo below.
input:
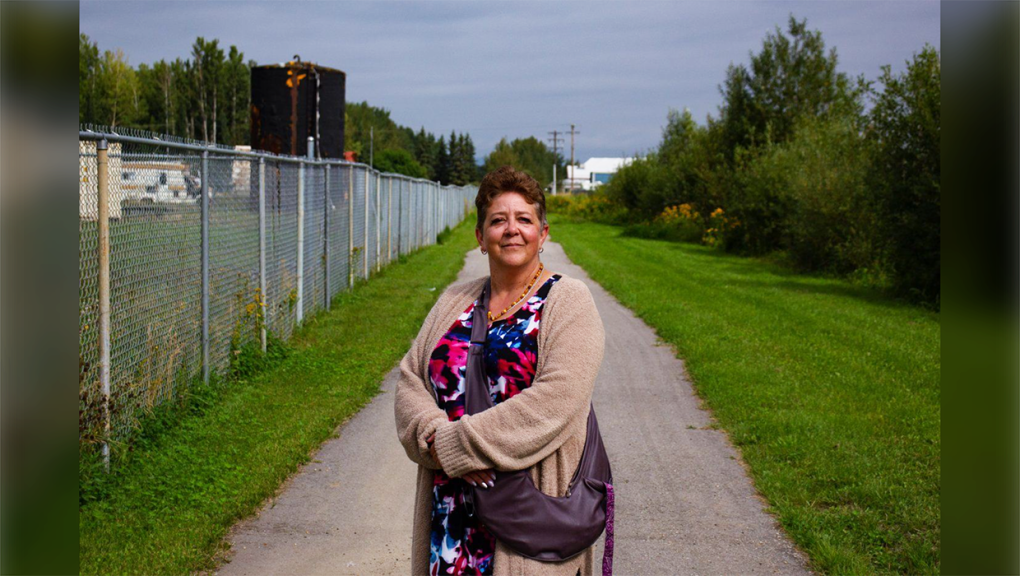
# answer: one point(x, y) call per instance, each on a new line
point(202, 250)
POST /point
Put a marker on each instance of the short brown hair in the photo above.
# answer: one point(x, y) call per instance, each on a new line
point(508, 179)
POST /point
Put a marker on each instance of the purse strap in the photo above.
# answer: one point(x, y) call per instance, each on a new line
point(476, 393)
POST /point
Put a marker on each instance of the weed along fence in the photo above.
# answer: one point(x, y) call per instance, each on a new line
point(190, 252)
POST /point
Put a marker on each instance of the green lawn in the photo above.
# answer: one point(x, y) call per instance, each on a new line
point(830, 391)
point(173, 498)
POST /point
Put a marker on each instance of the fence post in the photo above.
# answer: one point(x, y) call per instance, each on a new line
point(205, 266)
point(350, 229)
point(364, 260)
point(378, 226)
point(389, 223)
point(325, 218)
point(400, 218)
point(300, 241)
point(103, 183)
point(262, 251)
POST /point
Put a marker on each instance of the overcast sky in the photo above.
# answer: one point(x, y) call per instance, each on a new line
point(518, 69)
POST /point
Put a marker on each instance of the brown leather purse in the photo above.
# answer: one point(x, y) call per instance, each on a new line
point(534, 524)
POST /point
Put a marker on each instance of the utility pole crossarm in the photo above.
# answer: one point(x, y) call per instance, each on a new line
point(572, 132)
point(555, 142)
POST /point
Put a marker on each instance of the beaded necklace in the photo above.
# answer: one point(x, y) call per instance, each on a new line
point(534, 278)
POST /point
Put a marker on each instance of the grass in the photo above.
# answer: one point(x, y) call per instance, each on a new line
point(168, 504)
point(830, 391)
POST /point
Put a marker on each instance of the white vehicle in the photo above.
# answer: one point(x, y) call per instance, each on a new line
point(159, 183)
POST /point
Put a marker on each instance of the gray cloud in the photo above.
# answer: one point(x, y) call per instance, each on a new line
point(521, 68)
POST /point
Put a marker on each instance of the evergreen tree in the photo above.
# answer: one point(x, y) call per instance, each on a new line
point(468, 148)
point(425, 148)
point(457, 167)
point(442, 167)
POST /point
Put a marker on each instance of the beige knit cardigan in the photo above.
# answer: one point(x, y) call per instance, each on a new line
point(542, 428)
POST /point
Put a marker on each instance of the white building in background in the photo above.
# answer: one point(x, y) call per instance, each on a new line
point(593, 173)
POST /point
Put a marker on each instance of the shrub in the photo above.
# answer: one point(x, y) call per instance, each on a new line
point(634, 186)
point(399, 161)
point(678, 223)
point(719, 227)
point(594, 207)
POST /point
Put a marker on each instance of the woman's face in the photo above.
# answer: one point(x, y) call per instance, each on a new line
point(512, 233)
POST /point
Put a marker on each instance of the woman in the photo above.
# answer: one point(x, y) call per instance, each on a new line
point(543, 351)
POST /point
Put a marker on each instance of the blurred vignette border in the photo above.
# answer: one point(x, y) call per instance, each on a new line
point(981, 479)
point(38, 105)
point(981, 347)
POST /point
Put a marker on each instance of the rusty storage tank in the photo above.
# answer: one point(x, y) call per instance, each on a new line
point(295, 100)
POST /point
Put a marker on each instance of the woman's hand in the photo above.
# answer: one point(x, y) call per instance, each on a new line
point(483, 478)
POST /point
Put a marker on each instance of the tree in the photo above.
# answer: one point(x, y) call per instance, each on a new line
point(442, 167)
point(454, 166)
point(791, 77)
point(117, 87)
point(236, 98)
point(399, 161)
point(370, 128)
point(164, 78)
point(468, 152)
point(186, 96)
point(529, 155)
point(208, 65)
point(425, 151)
point(906, 175)
point(502, 154)
point(88, 72)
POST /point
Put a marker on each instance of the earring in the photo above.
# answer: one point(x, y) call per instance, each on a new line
point(483, 251)
point(542, 249)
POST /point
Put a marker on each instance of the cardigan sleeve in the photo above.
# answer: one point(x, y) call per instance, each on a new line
point(415, 409)
point(523, 430)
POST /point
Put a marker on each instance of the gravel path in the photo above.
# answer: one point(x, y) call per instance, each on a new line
point(684, 503)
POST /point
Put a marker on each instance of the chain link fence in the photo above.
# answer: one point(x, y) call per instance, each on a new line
point(209, 249)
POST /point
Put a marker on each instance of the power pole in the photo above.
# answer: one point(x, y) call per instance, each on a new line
point(555, 142)
point(371, 146)
point(572, 132)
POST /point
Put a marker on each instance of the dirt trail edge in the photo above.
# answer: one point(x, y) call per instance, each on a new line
point(684, 503)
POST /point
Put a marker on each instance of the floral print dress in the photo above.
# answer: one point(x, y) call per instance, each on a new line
point(459, 543)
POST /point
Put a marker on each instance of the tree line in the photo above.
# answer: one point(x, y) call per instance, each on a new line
point(375, 137)
point(208, 97)
point(205, 97)
point(530, 155)
point(794, 164)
